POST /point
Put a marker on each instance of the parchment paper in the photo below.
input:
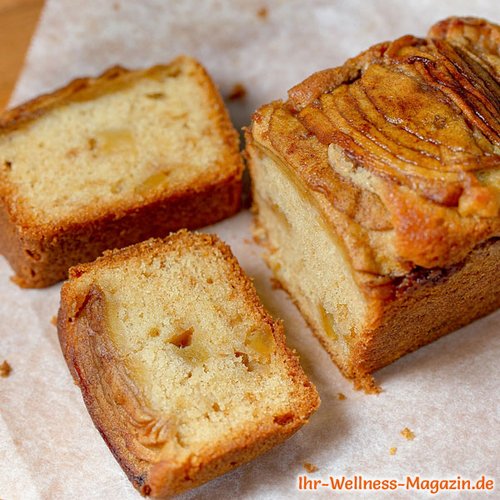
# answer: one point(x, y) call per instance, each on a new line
point(446, 393)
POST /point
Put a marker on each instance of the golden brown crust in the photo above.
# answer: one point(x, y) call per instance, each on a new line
point(41, 252)
point(483, 35)
point(405, 134)
point(427, 304)
point(80, 89)
point(306, 92)
point(41, 258)
point(134, 432)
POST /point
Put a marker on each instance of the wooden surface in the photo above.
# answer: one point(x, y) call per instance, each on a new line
point(18, 20)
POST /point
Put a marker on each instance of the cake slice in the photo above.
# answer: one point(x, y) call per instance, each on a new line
point(103, 163)
point(183, 372)
point(377, 193)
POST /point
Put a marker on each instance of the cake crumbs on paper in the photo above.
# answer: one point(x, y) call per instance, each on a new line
point(53, 320)
point(310, 467)
point(341, 396)
point(393, 450)
point(262, 13)
point(367, 383)
point(408, 434)
point(238, 92)
point(5, 369)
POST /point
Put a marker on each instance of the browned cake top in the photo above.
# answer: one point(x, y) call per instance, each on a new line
point(403, 140)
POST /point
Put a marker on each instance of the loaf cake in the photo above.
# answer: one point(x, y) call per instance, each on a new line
point(107, 162)
point(183, 372)
point(376, 191)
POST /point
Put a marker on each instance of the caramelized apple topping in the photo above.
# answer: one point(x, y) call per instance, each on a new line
point(422, 113)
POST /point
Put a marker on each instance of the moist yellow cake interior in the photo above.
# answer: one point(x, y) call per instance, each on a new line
point(195, 350)
point(155, 133)
point(314, 267)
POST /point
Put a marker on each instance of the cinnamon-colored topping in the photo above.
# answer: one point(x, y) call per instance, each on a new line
point(399, 119)
point(341, 397)
point(402, 140)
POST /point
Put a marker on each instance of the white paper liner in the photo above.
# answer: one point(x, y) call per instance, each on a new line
point(446, 393)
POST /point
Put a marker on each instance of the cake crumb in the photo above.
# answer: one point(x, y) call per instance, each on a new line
point(262, 13)
point(341, 396)
point(238, 92)
point(367, 383)
point(5, 369)
point(53, 320)
point(275, 284)
point(310, 467)
point(392, 451)
point(408, 434)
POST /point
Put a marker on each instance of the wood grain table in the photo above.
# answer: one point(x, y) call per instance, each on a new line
point(18, 19)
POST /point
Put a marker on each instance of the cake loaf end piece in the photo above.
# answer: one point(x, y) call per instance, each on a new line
point(376, 190)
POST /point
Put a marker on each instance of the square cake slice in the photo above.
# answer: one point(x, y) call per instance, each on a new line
point(110, 161)
point(377, 192)
point(183, 372)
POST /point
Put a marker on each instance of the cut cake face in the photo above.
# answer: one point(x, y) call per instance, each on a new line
point(110, 161)
point(182, 370)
